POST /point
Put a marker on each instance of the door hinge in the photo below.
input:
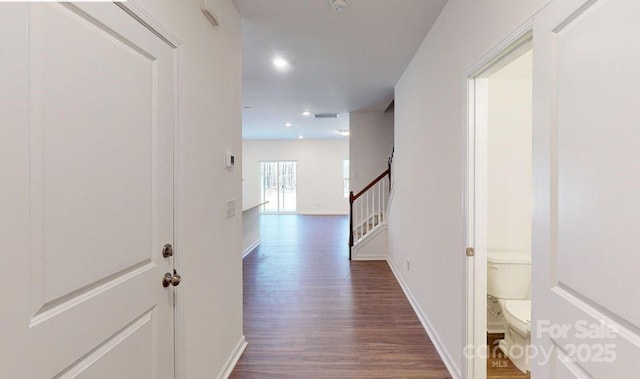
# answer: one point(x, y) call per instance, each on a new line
point(471, 252)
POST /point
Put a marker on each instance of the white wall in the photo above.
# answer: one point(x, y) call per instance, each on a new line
point(319, 172)
point(209, 244)
point(250, 230)
point(510, 187)
point(370, 145)
point(427, 220)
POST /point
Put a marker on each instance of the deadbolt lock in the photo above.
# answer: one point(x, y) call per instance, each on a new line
point(167, 250)
point(171, 279)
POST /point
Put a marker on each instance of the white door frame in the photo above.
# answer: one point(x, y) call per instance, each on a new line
point(475, 198)
point(150, 22)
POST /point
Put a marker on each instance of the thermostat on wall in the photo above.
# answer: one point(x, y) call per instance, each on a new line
point(229, 160)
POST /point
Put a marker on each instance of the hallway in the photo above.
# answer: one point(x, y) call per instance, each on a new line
point(310, 313)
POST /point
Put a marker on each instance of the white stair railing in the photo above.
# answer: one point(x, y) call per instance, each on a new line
point(368, 207)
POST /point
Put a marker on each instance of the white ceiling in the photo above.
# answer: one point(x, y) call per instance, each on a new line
point(339, 62)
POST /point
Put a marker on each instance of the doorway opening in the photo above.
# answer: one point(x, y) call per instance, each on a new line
point(278, 186)
point(499, 212)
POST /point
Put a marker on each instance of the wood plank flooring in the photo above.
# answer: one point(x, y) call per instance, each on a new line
point(498, 365)
point(310, 313)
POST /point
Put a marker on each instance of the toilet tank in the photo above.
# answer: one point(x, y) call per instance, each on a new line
point(508, 274)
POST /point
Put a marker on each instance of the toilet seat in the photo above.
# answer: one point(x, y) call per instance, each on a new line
point(518, 315)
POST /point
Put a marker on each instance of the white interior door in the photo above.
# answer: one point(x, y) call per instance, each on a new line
point(89, 166)
point(586, 163)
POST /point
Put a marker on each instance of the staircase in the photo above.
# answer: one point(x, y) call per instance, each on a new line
point(368, 226)
point(368, 210)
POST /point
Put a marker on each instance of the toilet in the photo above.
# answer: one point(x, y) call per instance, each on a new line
point(509, 281)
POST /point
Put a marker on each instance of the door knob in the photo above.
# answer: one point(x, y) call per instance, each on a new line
point(171, 279)
point(176, 279)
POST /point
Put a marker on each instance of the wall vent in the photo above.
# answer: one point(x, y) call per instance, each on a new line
point(326, 115)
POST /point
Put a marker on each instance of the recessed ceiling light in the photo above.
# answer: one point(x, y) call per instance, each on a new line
point(280, 63)
point(247, 107)
point(300, 137)
point(288, 124)
point(306, 113)
point(338, 5)
point(343, 132)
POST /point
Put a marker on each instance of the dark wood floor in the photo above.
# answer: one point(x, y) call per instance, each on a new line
point(498, 365)
point(310, 313)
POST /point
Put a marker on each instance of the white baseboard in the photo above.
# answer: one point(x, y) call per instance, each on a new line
point(426, 324)
point(370, 258)
point(230, 364)
point(251, 248)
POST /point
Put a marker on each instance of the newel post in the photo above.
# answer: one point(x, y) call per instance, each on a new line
point(350, 222)
point(389, 172)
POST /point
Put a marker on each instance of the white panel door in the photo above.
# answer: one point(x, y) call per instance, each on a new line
point(586, 305)
point(92, 122)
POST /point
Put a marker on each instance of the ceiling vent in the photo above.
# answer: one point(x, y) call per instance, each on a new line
point(326, 115)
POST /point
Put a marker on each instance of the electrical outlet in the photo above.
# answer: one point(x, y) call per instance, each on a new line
point(408, 264)
point(231, 208)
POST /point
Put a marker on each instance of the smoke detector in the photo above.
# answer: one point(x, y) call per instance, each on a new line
point(338, 5)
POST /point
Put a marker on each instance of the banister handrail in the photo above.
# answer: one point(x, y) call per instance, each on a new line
point(373, 183)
